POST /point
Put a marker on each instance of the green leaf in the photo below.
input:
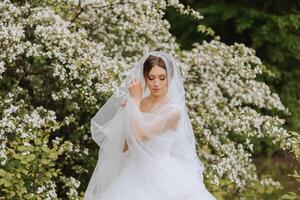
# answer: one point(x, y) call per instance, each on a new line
point(44, 161)
point(3, 173)
point(31, 157)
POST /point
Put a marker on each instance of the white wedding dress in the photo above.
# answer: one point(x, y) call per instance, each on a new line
point(161, 178)
point(161, 162)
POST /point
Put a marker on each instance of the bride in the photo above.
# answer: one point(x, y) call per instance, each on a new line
point(147, 144)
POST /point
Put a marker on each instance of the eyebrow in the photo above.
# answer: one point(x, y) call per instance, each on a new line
point(158, 75)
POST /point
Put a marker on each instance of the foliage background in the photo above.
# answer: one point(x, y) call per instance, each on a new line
point(272, 29)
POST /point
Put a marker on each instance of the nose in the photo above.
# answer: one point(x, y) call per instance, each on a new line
point(156, 82)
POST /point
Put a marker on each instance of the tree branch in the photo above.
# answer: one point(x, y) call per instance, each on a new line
point(77, 15)
point(80, 11)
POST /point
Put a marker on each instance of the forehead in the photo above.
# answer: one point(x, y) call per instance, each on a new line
point(156, 71)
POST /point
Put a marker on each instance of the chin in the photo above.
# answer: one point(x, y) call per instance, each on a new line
point(157, 93)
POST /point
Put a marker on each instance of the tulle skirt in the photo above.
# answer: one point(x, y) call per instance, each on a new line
point(162, 179)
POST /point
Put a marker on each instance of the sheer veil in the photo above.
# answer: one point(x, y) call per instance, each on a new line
point(164, 131)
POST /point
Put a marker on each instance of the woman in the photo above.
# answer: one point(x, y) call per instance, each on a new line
point(147, 144)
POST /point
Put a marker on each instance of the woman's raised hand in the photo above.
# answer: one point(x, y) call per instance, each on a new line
point(123, 102)
point(136, 90)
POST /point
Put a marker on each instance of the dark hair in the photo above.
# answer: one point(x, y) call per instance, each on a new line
point(151, 62)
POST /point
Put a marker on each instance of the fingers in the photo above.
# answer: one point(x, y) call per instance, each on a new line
point(135, 88)
point(123, 103)
point(137, 81)
point(134, 82)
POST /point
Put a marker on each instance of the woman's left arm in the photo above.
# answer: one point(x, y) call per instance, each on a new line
point(167, 119)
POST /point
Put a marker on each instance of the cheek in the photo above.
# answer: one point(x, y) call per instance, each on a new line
point(165, 83)
point(149, 84)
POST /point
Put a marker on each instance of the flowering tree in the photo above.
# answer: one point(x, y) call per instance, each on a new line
point(60, 61)
point(228, 107)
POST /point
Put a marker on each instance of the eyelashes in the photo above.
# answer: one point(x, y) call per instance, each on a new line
point(151, 78)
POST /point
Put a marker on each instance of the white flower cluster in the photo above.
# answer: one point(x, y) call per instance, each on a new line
point(2, 68)
point(23, 133)
point(51, 193)
point(49, 188)
point(72, 184)
point(225, 99)
point(186, 10)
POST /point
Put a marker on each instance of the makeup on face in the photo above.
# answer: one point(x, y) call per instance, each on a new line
point(157, 80)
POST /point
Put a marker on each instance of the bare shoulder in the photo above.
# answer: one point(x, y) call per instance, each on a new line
point(143, 104)
point(145, 99)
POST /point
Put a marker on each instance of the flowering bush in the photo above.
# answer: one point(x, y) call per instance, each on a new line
point(226, 102)
point(60, 61)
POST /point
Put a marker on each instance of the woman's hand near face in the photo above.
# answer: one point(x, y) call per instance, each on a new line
point(123, 102)
point(136, 90)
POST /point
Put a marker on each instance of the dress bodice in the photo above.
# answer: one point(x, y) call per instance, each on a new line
point(154, 148)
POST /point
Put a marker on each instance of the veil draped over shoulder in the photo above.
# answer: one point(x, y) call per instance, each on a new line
point(146, 133)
